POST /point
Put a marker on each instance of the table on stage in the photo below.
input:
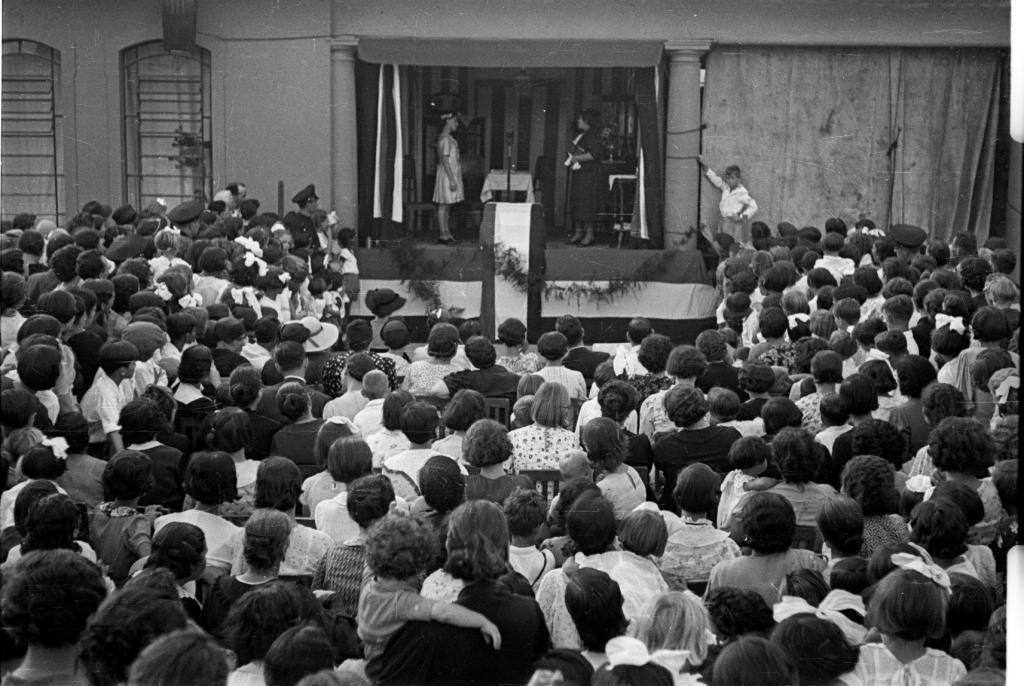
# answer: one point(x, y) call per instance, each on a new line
point(498, 180)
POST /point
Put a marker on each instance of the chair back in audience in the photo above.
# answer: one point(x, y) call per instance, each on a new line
point(498, 410)
point(546, 481)
point(191, 428)
point(807, 538)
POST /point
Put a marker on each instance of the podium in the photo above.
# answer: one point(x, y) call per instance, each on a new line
point(519, 226)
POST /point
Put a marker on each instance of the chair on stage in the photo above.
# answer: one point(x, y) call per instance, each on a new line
point(414, 210)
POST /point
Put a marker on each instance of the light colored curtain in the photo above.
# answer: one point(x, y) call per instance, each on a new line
point(893, 135)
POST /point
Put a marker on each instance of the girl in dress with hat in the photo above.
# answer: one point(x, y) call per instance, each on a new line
point(448, 188)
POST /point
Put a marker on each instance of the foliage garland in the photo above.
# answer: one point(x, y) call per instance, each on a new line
point(509, 266)
point(419, 275)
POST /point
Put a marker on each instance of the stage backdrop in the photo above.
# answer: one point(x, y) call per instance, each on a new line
point(896, 135)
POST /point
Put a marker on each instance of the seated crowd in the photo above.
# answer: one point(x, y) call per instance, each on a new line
point(214, 475)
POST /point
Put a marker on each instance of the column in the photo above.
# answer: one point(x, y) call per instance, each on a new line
point(682, 142)
point(344, 138)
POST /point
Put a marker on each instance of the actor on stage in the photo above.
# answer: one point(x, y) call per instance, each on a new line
point(448, 188)
point(584, 179)
point(736, 206)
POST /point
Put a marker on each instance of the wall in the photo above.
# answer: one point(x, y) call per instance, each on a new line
point(770, 22)
point(270, 82)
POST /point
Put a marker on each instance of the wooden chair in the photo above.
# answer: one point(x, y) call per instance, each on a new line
point(807, 538)
point(546, 481)
point(498, 410)
point(414, 209)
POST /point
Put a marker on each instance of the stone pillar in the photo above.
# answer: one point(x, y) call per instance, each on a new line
point(682, 142)
point(344, 135)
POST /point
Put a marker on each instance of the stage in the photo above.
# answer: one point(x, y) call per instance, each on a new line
point(514, 272)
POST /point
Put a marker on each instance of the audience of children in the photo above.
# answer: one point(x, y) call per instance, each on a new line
point(821, 491)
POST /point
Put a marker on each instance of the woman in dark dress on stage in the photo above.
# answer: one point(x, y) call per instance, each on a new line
point(585, 179)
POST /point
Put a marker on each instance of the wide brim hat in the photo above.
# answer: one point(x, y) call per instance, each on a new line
point(186, 212)
point(384, 301)
point(322, 335)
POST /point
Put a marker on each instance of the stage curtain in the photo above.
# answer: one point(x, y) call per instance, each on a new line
point(894, 135)
point(649, 204)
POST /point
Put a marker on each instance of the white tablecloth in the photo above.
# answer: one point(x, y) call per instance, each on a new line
point(511, 230)
point(497, 180)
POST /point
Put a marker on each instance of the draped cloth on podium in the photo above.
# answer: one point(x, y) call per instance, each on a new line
point(511, 230)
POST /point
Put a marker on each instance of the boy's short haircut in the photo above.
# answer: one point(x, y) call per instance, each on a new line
point(419, 422)
point(375, 384)
point(575, 463)
point(180, 324)
point(525, 510)
point(369, 499)
point(638, 329)
point(128, 474)
point(1003, 261)
point(832, 411)
point(114, 355)
point(832, 242)
point(724, 403)
point(748, 452)
point(899, 307)
point(399, 547)
point(848, 310)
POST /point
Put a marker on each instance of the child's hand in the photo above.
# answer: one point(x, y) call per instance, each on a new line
point(154, 511)
point(491, 635)
point(761, 483)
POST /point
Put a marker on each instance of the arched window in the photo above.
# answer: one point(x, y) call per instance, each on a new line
point(165, 99)
point(33, 156)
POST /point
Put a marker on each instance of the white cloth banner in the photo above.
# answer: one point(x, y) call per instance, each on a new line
point(511, 230)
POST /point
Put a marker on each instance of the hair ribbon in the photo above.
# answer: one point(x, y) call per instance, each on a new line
point(190, 300)
point(830, 609)
point(795, 319)
point(925, 568)
point(1002, 393)
point(954, 323)
point(58, 445)
point(163, 291)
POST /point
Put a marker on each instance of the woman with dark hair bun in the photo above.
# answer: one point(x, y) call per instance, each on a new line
point(769, 524)
point(295, 440)
point(181, 548)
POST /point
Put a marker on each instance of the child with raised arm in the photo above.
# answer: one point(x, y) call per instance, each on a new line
point(398, 549)
point(736, 207)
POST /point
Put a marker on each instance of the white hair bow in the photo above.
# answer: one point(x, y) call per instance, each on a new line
point(284, 277)
point(924, 567)
point(163, 291)
point(190, 300)
point(795, 319)
point(919, 483)
point(278, 227)
point(830, 609)
point(58, 445)
point(1002, 393)
point(954, 323)
point(344, 421)
point(246, 296)
point(173, 230)
point(253, 258)
point(250, 245)
point(626, 650)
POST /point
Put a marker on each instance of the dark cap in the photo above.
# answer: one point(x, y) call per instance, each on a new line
point(186, 212)
point(358, 365)
point(125, 247)
point(908, 235)
point(92, 207)
point(305, 194)
point(23, 220)
point(125, 214)
point(358, 332)
point(249, 206)
point(383, 301)
point(228, 329)
point(786, 229)
point(810, 234)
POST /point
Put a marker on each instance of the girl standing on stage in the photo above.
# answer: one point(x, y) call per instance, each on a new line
point(584, 201)
point(448, 188)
